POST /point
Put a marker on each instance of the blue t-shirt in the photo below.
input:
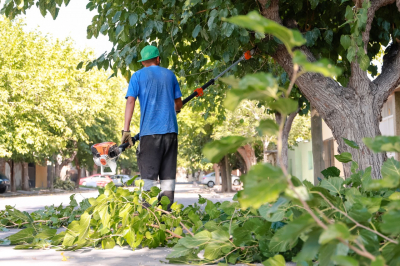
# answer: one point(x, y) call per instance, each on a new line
point(157, 88)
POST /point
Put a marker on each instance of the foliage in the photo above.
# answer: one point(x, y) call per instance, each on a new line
point(64, 184)
point(277, 217)
point(48, 106)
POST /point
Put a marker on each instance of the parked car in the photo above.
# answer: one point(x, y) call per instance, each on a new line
point(4, 183)
point(96, 180)
point(209, 180)
point(120, 180)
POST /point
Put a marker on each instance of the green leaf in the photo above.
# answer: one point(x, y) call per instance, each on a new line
point(213, 250)
point(351, 53)
point(165, 201)
point(254, 21)
point(345, 41)
point(46, 234)
point(84, 224)
point(197, 240)
point(220, 235)
point(349, 13)
point(196, 31)
point(354, 167)
point(159, 26)
point(390, 176)
point(267, 127)
point(130, 237)
point(276, 260)
point(383, 143)
point(133, 18)
point(178, 251)
point(24, 236)
point(390, 221)
point(364, 62)
point(286, 237)
point(79, 66)
point(310, 248)
point(314, 4)
point(285, 106)
point(344, 157)
point(345, 261)
point(333, 184)
point(312, 36)
point(328, 36)
point(216, 150)
point(262, 184)
point(379, 261)
point(259, 86)
point(276, 212)
point(351, 144)
point(334, 231)
point(331, 172)
point(116, 17)
point(108, 243)
point(322, 66)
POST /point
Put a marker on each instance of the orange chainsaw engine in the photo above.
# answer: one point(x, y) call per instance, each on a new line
point(106, 155)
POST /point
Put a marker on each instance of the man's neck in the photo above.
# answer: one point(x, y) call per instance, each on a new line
point(151, 65)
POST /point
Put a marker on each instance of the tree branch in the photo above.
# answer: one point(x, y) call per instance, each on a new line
point(375, 5)
point(389, 79)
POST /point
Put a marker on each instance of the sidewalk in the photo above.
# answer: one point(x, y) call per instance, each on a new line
point(87, 256)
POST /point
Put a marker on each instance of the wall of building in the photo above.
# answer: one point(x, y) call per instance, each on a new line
point(41, 176)
point(300, 162)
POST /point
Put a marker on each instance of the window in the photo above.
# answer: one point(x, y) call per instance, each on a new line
point(310, 160)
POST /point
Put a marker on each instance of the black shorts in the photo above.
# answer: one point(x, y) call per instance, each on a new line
point(157, 155)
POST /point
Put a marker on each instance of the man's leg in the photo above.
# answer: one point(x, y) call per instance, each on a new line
point(168, 166)
point(149, 157)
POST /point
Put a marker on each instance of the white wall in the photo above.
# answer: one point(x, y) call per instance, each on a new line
point(300, 162)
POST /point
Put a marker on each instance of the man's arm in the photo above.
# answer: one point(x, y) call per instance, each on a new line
point(178, 104)
point(130, 106)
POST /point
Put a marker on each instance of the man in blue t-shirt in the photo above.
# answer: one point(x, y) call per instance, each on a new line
point(160, 98)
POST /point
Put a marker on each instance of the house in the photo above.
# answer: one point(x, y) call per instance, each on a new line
point(300, 158)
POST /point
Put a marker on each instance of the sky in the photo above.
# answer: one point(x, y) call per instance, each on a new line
point(72, 21)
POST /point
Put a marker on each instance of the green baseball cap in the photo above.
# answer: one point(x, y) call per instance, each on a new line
point(149, 52)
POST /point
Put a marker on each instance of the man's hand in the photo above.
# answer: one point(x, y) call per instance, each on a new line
point(126, 137)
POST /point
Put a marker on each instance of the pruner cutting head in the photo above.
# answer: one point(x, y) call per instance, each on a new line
point(106, 155)
point(248, 54)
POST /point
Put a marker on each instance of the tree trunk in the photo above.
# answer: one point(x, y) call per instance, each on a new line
point(317, 144)
point(283, 159)
point(265, 142)
point(25, 176)
point(78, 169)
point(226, 177)
point(248, 155)
point(53, 173)
point(2, 166)
point(217, 175)
point(12, 177)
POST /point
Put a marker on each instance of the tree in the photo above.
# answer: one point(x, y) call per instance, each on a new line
point(192, 33)
point(50, 107)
